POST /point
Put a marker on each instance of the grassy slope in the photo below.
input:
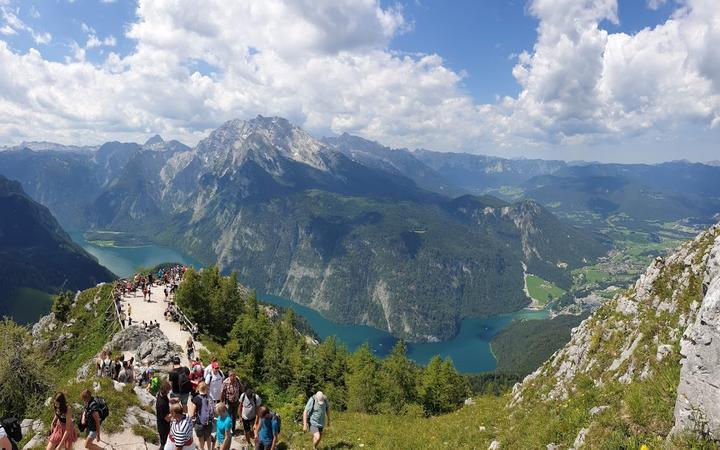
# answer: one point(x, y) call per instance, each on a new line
point(542, 290)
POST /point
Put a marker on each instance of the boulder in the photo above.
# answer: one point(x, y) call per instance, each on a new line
point(580, 438)
point(42, 325)
point(26, 426)
point(494, 445)
point(145, 398)
point(135, 416)
point(36, 441)
point(157, 351)
point(130, 338)
point(118, 386)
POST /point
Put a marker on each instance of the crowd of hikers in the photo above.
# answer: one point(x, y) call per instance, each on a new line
point(197, 406)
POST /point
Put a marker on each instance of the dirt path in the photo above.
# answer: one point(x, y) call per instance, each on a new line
point(154, 310)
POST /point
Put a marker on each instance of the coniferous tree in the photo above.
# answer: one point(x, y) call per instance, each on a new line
point(61, 305)
point(398, 379)
point(362, 382)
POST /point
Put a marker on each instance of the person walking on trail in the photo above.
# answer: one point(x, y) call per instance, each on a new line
point(62, 434)
point(91, 420)
point(230, 394)
point(215, 380)
point(317, 413)
point(223, 427)
point(249, 402)
point(180, 380)
point(181, 430)
point(267, 429)
point(202, 411)
point(162, 412)
point(190, 348)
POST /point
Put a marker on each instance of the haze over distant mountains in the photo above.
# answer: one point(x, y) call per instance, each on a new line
point(407, 241)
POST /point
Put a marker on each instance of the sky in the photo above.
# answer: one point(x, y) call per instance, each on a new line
point(604, 80)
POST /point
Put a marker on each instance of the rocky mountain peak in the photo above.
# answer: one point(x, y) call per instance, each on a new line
point(154, 140)
point(265, 137)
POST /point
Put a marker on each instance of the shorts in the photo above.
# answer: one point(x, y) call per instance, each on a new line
point(260, 445)
point(248, 425)
point(314, 429)
point(203, 431)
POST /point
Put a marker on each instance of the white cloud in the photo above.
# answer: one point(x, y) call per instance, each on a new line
point(655, 4)
point(12, 24)
point(94, 42)
point(327, 65)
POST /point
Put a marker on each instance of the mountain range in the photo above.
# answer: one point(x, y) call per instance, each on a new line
point(35, 252)
point(406, 241)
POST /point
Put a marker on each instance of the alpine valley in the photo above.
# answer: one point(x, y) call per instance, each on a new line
point(411, 242)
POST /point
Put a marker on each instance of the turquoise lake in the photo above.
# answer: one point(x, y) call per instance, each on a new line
point(469, 350)
point(123, 261)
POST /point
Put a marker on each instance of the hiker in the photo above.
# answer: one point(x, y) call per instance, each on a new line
point(153, 381)
point(223, 427)
point(232, 388)
point(202, 410)
point(208, 368)
point(249, 401)
point(122, 318)
point(63, 434)
point(162, 412)
point(267, 429)
point(91, 420)
point(196, 376)
point(180, 379)
point(317, 412)
point(181, 430)
point(214, 381)
point(5, 443)
point(117, 365)
point(190, 348)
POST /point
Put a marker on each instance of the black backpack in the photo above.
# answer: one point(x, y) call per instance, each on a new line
point(12, 428)
point(184, 382)
point(100, 405)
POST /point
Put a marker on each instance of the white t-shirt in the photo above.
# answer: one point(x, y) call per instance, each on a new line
point(215, 384)
point(3, 434)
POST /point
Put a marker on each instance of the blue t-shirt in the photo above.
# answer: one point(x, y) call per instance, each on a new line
point(224, 423)
point(268, 428)
point(317, 413)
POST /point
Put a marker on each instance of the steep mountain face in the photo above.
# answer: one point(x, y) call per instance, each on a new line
point(643, 366)
point(296, 217)
point(35, 252)
point(549, 246)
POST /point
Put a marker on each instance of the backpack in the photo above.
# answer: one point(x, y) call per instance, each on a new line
point(183, 381)
point(12, 427)
point(206, 412)
point(101, 407)
point(106, 368)
point(276, 417)
point(254, 400)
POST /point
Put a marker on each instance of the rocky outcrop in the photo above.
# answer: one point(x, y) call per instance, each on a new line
point(697, 408)
point(669, 317)
point(151, 347)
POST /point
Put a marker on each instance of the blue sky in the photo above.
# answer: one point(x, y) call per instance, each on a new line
point(614, 80)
